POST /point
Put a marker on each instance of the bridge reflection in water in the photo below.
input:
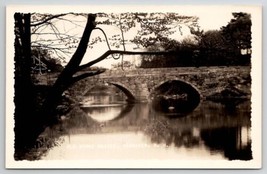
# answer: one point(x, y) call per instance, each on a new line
point(110, 129)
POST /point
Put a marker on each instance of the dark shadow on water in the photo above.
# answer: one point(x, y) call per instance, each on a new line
point(228, 141)
point(223, 130)
point(232, 143)
point(173, 108)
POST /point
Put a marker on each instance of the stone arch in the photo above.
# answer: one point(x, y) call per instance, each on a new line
point(169, 80)
point(125, 90)
point(174, 98)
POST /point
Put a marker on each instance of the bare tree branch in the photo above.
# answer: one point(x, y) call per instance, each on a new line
point(72, 22)
point(50, 47)
point(47, 19)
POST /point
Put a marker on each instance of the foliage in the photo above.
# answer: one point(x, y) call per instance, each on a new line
point(185, 55)
point(43, 62)
point(151, 27)
point(123, 65)
point(211, 48)
point(238, 31)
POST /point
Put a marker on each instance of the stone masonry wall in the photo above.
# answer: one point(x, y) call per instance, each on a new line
point(207, 80)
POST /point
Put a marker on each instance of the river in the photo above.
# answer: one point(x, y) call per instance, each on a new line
point(107, 128)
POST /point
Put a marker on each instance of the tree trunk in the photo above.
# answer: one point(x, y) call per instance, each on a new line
point(29, 122)
point(66, 79)
point(24, 99)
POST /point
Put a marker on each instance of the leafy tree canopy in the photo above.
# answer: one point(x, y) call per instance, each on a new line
point(238, 31)
point(210, 48)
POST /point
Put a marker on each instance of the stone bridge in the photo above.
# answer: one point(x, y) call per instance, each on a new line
point(139, 84)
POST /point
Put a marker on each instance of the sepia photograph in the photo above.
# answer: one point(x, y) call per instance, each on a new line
point(133, 86)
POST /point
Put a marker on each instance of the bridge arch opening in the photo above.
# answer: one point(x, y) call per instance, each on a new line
point(130, 97)
point(125, 90)
point(102, 88)
point(175, 97)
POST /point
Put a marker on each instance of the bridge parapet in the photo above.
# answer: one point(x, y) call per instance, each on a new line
point(175, 70)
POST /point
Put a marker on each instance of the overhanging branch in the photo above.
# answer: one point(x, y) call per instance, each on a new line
point(87, 74)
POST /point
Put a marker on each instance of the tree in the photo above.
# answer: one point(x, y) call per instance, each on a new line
point(31, 122)
point(23, 84)
point(229, 46)
point(185, 54)
point(213, 48)
point(124, 65)
point(238, 32)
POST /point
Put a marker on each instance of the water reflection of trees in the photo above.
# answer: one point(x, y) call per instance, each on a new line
point(229, 141)
point(224, 140)
point(210, 124)
point(186, 138)
point(161, 133)
point(202, 125)
point(78, 121)
point(231, 106)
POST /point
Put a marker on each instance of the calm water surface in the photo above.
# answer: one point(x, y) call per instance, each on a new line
point(105, 127)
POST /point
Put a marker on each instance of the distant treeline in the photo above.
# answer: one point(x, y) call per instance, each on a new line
point(229, 46)
point(198, 57)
